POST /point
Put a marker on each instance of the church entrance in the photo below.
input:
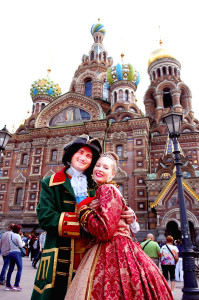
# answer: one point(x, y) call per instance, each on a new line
point(172, 229)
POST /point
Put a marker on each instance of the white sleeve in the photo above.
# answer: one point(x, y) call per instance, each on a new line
point(135, 227)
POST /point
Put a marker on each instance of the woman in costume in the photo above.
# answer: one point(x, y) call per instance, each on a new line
point(115, 267)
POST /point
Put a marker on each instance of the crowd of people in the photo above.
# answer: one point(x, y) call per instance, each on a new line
point(12, 242)
point(86, 249)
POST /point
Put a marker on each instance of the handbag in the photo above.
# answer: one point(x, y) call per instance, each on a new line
point(22, 250)
point(172, 254)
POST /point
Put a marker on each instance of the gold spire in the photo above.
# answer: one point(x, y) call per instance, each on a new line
point(160, 41)
point(98, 19)
point(48, 71)
point(122, 57)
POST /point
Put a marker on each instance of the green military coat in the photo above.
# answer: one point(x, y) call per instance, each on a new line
point(55, 270)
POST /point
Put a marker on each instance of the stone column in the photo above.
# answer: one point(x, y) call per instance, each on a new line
point(159, 100)
point(197, 235)
point(175, 94)
point(161, 236)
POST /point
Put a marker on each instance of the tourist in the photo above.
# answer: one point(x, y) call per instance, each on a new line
point(169, 258)
point(15, 258)
point(5, 249)
point(151, 248)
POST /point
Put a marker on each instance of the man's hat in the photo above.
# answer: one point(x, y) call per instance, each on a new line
point(82, 141)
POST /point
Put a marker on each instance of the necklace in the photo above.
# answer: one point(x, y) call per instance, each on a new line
point(107, 182)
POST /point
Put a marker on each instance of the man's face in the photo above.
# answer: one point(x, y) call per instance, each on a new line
point(82, 159)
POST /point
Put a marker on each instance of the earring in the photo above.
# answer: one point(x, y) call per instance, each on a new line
point(110, 179)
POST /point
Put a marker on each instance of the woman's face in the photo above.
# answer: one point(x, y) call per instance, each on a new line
point(82, 159)
point(103, 170)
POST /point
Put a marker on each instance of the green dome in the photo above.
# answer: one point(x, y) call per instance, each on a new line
point(45, 87)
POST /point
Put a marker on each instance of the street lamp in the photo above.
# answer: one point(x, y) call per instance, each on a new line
point(4, 138)
point(190, 289)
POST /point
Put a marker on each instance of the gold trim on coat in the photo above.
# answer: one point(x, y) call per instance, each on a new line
point(44, 260)
point(72, 261)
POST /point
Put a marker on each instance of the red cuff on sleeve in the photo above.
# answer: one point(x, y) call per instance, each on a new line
point(69, 225)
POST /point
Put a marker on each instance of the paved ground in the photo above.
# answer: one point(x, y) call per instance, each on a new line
point(27, 281)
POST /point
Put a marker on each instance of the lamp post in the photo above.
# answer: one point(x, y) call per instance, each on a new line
point(190, 289)
point(4, 138)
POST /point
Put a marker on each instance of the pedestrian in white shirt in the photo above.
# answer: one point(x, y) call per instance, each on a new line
point(15, 258)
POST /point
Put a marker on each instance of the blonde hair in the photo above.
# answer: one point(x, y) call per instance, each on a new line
point(114, 157)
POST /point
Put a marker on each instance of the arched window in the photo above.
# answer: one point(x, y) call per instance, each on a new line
point(164, 71)
point(105, 92)
point(120, 95)
point(42, 105)
point(119, 150)
point(167, 99)
point(19, 194)
point(170, 70)
point(88, 88)
point(121, 188)
point(115, 97)
point(92, 56)
point(127, 95)
point(24, 159)
point(158, 72)
point(54, 155)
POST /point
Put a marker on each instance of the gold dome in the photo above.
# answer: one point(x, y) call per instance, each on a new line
point(158, 54)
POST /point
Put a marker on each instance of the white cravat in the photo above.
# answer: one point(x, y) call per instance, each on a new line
point(78, 182)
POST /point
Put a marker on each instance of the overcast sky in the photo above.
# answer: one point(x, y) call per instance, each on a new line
point(38, 34)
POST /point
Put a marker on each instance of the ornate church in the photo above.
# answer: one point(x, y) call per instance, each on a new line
point(101, 102)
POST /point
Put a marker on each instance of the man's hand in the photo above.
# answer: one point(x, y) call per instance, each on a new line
point(94, 203)
point(128, 215)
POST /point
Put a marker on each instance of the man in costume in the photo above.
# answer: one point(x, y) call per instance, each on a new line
point(65, 243)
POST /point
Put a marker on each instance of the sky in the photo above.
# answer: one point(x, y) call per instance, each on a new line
point(36, 35)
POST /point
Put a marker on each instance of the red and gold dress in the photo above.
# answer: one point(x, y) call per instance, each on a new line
point(115, 268)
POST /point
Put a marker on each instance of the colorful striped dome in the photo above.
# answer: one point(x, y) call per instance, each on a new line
point(98, 28)
point(123, 72)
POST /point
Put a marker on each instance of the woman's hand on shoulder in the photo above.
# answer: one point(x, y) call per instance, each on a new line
point(94, 203)
point(129, 215)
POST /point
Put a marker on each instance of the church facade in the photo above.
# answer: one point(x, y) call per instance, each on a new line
point(101, 102)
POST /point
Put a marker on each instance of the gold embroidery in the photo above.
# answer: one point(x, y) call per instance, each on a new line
point(72, 262)
point(73, 223)
point(92, 273)
point(60, 223)
point(62, 273)
point(51, 183)
point(65, 248)
point(43, 262)
point(71, 233)
point(50, 285)
point(65, 261)
point(69, 202)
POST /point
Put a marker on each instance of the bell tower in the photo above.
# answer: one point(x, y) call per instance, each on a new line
point(166, 89)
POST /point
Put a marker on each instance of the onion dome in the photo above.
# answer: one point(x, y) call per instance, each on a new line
point(98, 28)
point(123, 71)
point(45, 87)
point(158, 54)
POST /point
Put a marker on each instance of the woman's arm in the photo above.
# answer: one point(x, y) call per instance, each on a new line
point(102, 222)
